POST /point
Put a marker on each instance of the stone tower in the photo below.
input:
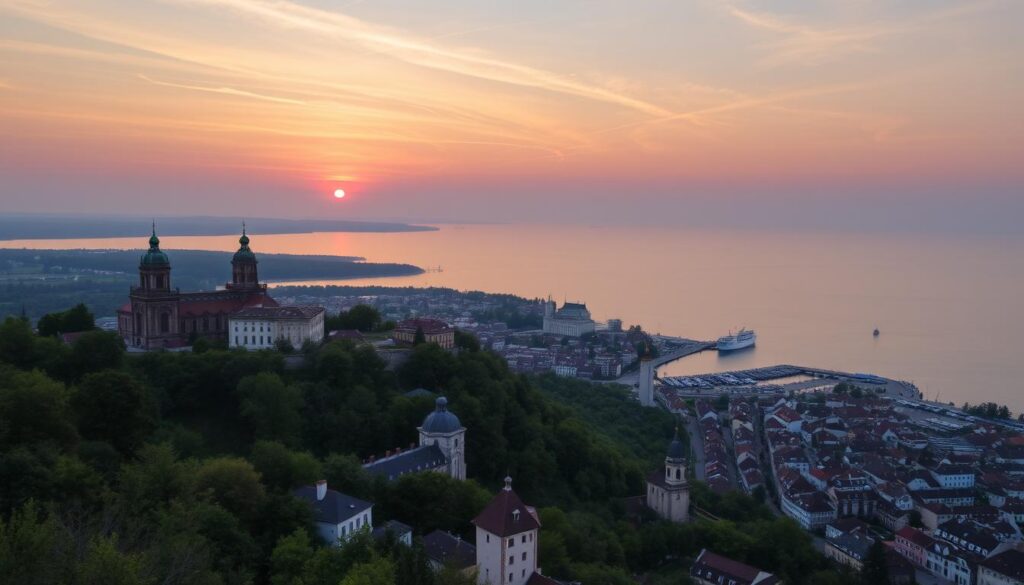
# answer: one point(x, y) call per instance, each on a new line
point(154, 303)
point(507, 536)
point(243, 267)
point(645, 386)
point(442, 428)
point(668, 492)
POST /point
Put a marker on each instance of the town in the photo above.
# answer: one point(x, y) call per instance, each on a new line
point(942, 490)
point(882, 482)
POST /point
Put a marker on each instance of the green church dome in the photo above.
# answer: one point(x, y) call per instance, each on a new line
point(244, 254)
point(155, 256)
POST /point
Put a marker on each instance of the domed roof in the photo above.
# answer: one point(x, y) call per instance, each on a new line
point(154, 256)
point(244, 254)
point(441, 421)
point(676, 449)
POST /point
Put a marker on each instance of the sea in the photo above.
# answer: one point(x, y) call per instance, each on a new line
point(949, 309)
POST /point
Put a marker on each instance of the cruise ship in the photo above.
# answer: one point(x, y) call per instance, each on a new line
point(743, 338)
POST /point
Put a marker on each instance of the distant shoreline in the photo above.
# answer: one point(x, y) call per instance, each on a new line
point(47, 227)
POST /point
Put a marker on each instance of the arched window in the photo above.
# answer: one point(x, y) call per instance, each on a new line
point(159, 281)
point(677, 473)
point(165, 322)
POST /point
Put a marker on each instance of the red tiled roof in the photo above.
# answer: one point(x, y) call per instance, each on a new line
point(223, 302)
point(507, 515)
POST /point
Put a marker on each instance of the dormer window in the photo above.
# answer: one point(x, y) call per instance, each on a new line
point(515, 515)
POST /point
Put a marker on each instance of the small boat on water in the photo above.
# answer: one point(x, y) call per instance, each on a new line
point(876, 333)
point(744, 338)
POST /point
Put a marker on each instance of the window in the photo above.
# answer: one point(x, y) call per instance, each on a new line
point(236, 340)
point(512, 560)
point(488, 538)
point(510, 577)
point(524, 556)
point(511, 542)
point(165, 322)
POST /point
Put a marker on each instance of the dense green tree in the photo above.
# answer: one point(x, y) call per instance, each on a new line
point(111, 406)
point(94, 351)
point(34, 409)
point(32, 551)
point(17, 343)
point(74, 320)
point(271, 407)
point(432, 501)
point(104, 564)
point(289, 559)
point(466, 341)
point(876, 567)
point(376, 571)
point(233, 483)
point(361, 317)
point(283, 469)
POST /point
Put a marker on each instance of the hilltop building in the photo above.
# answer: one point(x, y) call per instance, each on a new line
point(711, 569)
point(159, 316)
point(337, 516)
point(572, 320)
point(668, 492)
point(442, 448)
point(507, 536)
point(434, 331)
point(263, 327)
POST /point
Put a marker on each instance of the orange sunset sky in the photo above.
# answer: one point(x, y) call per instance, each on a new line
point(470, 109)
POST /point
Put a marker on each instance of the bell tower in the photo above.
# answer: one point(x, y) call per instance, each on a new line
point(243, 266)
point(155, 268)
point(153, 320)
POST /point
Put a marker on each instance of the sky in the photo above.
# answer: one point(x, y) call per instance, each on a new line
point(657, 111)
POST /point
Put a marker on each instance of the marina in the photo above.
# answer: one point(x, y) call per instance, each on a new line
point(779, 379)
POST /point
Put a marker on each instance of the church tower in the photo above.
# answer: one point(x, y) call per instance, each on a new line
point(507, 536)
point(442, 428)
point(153, 320)
point(155, 268)
point(668, 492)
point(243, 267)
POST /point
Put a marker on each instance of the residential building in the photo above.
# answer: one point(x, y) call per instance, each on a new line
point(712, 569)
point(265, 327)
point(337, 516)
point(1005, 568)
point(434, 331)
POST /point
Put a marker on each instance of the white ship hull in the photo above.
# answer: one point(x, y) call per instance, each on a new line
point(741, 340)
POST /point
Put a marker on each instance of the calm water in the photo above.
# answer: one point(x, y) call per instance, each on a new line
point(949, 308)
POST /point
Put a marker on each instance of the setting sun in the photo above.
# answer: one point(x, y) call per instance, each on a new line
point(339, 193)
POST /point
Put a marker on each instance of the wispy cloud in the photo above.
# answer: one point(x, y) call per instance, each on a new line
point(224, 90)
point(804, 43)
point(425, 53)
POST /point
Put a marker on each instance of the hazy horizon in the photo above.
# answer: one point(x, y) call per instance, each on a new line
point(888, 115)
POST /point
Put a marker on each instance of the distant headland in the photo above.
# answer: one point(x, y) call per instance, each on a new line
point(41, 226)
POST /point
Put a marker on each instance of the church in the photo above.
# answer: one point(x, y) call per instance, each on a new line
point(668, 492)
point(159, 316)
point(442, 448)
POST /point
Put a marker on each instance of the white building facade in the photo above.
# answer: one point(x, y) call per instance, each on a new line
point(262, 327)
point(572, 320)
point(507, 534)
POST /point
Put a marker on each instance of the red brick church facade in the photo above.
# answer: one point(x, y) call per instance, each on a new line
point(159, 316)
